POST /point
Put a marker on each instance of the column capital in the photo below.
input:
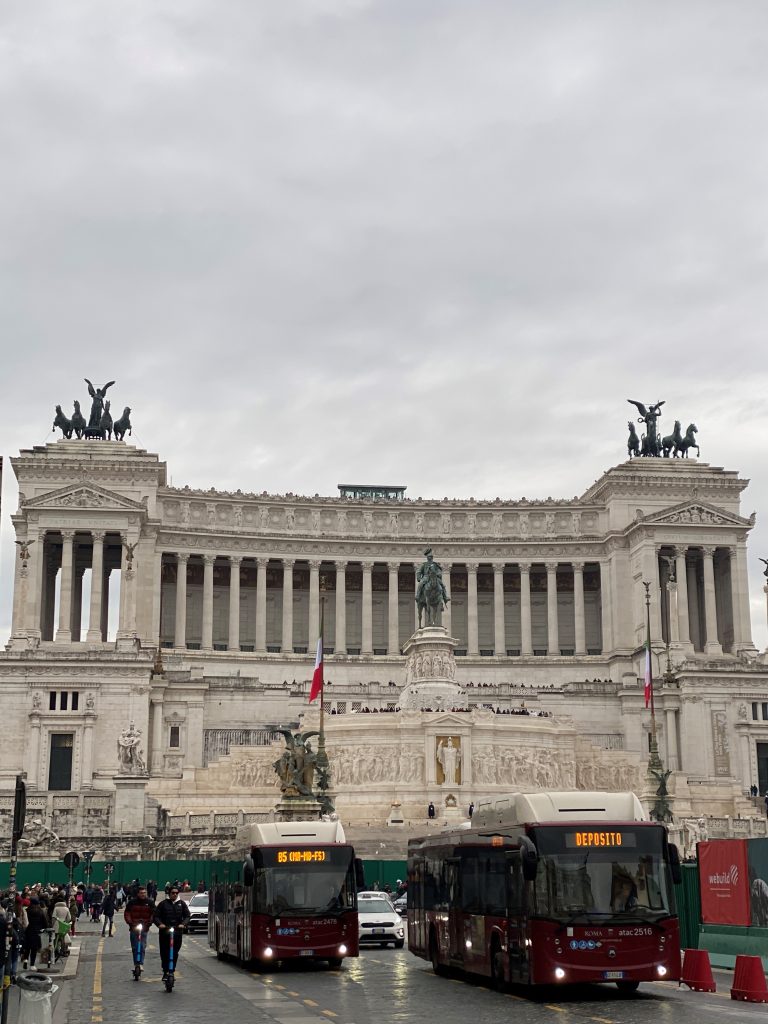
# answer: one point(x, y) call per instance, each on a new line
point(680, 550)
point(709, 551)
point(68, 535)
point(367, 566)
point(472, 566)
point(578, 566)
point(551, 567)
point(341, 565)
point(288, 564)
point(261, 563)
point(98, 535)
point(182, 559)
point(314, 564)
point(498, 567)
point(525, 568)
point(235, 560)
point(209, 559)
point(393, 566)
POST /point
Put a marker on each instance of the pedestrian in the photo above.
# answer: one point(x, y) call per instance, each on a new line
point(73, 911)
point(431, 809)
point(471, 810)
point(171, 913)
point(37, 923)
point(108, 910)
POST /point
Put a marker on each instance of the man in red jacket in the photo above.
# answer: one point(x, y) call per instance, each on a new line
point(139, 910)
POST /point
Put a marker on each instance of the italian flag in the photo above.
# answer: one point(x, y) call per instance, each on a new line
point(648, 676)
point(317, 675)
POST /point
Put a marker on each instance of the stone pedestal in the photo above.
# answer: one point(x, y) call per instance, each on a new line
point(298, 808)
point(430, 672)
point(130, 802)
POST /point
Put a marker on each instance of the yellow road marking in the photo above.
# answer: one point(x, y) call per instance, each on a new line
point(329, 1013)
point(557, 1009)
point(281, 987)
point(310, 1002)
point(97, 969)
point(294, 994)
point(603, 1020)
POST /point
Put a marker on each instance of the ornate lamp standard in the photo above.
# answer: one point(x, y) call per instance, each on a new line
point(660, 810)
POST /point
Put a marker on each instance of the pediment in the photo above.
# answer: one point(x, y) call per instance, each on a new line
point(696, 513)
point(85, 496)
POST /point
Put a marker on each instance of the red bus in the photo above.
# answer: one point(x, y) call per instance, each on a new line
point(297, 897)
point(549, 888)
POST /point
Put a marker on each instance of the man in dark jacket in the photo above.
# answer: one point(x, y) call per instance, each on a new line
point(139, 910)
point(108, 910)
point(171, 913)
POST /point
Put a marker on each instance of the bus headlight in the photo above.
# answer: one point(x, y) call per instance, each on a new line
point(342, 950)
point(661, 971)
point(268, 952)
point(559, 973)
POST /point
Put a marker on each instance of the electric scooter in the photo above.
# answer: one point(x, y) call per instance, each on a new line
point(138, 956)
point(171, 965)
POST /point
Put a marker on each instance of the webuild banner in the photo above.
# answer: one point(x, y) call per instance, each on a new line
point(724, 882)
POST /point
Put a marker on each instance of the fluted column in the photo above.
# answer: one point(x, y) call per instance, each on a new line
point(180, 629)
point(692, 579)
point(472, 644)
point(314, 604)
point(86, 773)
point(287, 641)
point(673, 760)
point(553, 627)
point(94, 634)
point(261, 605)
point(526, 636)
point(739, 562)
point(340, 640)
point(233, 643)
point(393, 618)
point(578, 609)
point(710, 606)
point(208, 560)
point(446, 620)
point(32, 613)
point(367, 647)
point(499, 632)
point(33, 752)
point(609, 639)
point(157, 598)
point(64, 632)
point(681, 576)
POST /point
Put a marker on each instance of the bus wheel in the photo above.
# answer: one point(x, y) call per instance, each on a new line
point(498, 981)
point(627, 988)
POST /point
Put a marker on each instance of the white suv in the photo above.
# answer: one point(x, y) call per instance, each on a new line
point(198, 912)
point(379, 922)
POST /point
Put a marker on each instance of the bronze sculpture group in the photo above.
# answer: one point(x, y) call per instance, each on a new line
point(651, 444)
point(100, 425)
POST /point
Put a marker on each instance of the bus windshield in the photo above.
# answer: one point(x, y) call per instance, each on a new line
point(606, 871)
point(318, 881)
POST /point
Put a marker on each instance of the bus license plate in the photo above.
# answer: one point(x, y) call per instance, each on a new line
point(307, 952)
point(613, 975)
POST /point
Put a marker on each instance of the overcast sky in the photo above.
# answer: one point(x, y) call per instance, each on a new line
point(436, 243)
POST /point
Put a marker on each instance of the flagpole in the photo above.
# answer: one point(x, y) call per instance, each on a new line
point(322, 756)
point(654, 761)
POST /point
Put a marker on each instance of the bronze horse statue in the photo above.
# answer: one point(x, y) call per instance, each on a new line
point(689, 441)
point(430, 601)
point(672, 440)
point(633, 441)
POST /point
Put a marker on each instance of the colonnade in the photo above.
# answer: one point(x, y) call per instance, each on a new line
point(366, 568)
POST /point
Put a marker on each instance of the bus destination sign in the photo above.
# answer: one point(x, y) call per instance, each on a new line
point(296, 855)
point(599, 837)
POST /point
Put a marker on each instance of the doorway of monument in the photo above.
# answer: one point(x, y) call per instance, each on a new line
point(762, 768)
point(60, 762)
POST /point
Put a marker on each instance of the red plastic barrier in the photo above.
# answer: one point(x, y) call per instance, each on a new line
point(749, 980)
point(697, 971)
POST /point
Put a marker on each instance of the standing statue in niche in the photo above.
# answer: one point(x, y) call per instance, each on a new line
point(431, 595)
point(129, 753)
point(449, 759)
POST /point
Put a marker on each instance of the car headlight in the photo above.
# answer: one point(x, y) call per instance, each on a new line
point(400, 933)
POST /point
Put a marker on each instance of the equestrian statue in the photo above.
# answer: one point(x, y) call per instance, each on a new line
point(431, 595)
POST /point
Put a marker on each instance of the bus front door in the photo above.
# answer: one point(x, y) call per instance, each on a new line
point(455, 916)
point(518, 958)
